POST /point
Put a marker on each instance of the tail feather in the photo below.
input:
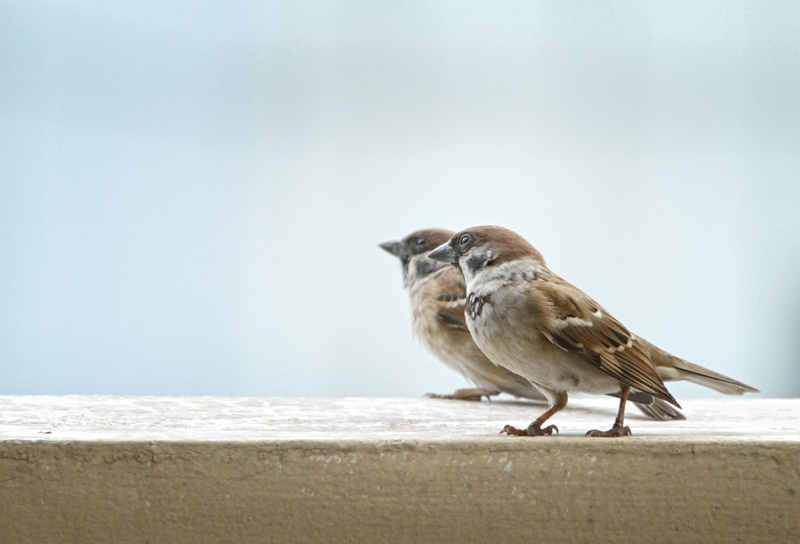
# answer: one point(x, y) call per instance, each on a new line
point(708, 378)
point(652, 407)
point(660, 410)
point(673, 368)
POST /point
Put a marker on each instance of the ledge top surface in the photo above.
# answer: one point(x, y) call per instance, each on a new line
point(248, 419)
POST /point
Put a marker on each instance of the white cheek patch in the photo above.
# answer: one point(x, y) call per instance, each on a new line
point(487, 280)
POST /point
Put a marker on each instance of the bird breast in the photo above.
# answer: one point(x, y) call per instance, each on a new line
point(505, 324)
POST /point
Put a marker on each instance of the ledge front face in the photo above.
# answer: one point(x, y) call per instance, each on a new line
point(106, 469)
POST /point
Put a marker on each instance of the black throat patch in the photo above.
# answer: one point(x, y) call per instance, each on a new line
point(427, 266)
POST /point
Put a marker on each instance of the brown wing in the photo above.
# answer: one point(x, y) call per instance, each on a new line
point(581, 325)
point(450, 297)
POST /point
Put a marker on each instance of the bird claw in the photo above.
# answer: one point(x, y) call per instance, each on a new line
point(513, 431)
point(534, 429)
point(437, 396)
point(614, 432)
point(474, 394)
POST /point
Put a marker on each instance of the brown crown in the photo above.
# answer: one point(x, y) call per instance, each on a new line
point(506, 245)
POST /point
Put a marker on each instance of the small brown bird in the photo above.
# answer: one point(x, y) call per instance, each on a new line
point(535, 324)
point(438, 295)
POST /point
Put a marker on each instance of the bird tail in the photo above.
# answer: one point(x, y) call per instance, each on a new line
point(674, 368)
point(659, 410)
point(707, 378)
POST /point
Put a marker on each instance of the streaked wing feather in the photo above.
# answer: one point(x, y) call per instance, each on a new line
point(581, 325)
point(450, 298)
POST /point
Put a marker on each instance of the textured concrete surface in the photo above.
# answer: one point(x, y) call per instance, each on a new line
point(269, 419)
point(125, 469)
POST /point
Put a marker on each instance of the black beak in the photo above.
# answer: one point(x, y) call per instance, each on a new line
point(396, 248)
point(444, 254)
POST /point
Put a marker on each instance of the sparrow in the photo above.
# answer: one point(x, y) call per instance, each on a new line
point(438, 295)
point(530, 321)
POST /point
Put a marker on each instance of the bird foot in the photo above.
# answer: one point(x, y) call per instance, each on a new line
point(534, 429)
point(614, 432)
point(474, 394)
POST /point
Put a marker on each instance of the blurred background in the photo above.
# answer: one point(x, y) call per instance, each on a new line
point(192, 193)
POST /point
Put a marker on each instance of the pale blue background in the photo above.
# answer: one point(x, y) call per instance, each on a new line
point(192, 193)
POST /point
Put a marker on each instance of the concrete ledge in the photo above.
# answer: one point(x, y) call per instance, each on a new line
point(115, 469)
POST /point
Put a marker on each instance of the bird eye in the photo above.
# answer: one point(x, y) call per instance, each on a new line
point(421, 241)
point(465, 239)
